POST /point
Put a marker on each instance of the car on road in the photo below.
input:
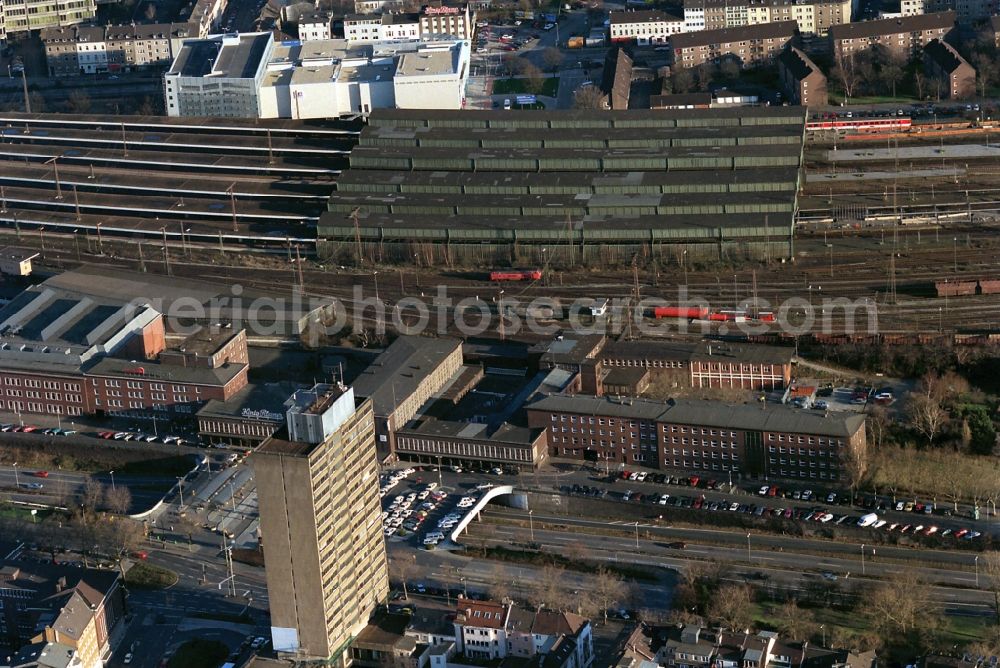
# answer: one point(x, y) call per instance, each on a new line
point(764, 490)
point(831, 497)
point(128, 659)
point(827, 575)
point(32, 485)
point(41, 474)
point(258, 642)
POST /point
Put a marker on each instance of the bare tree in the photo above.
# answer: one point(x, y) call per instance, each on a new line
point(92, 496)
point(535, 77)
point(78, 102)
point(497, 584)
point(683, 80)
point(608, 588)
point(404, 569)
point(919, 83)
point(118, 499)
point(989, 562)
point(926, 414)
point(552, 57)
point(845, 71)
point(589, 97)
point(731, 606)
point(795, 622)
point(856, 460)
point(898, 607)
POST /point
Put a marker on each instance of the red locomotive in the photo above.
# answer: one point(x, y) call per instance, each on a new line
point(516, 275)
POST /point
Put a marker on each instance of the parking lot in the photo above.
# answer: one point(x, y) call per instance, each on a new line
point(769, 502)
point(421, 511)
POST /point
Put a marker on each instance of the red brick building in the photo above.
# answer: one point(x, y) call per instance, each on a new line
point(903, 37)
point(66, 354)
point(710, 438)
point(750, 46)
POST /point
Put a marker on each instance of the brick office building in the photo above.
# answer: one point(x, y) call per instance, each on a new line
point(707, 363)
point(66, 354)
point(710, 438)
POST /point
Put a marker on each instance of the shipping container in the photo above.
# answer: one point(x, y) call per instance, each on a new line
point(990, 287)
point(955, 288)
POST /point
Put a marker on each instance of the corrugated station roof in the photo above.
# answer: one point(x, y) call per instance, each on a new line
point(471, 182)
point(749, 417)
point(575, 117)
point(474, 137)
point(701, 225)
point(905, 24)
point(418, 173)
point(510, 153)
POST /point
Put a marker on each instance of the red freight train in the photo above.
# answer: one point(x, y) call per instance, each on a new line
point(516, 275)
point(684, 312)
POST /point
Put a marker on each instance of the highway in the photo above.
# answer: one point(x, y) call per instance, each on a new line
point(956, 589)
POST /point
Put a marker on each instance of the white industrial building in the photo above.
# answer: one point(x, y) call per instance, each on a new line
point(314, 79)
point(218, 76)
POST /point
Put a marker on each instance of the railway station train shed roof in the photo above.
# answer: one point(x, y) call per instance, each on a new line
point(570, 176)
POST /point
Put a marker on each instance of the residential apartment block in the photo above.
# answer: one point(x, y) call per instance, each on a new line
point(644, 26)
point(813, 18)
point(950, 74)
point(801, 80)
point(314, 26)
point(967, 12)
point(700, 436)
point(46, 609)
point(430, 23)
point(75, 50)
point(18, 16)
point(321, 523)
point(904, 37)
point(750, 46)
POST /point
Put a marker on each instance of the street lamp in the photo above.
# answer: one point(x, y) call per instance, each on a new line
point(180, 486)
point(976, 560)
point(749, 559)
point(375, 278)
point(531, 523)
point(17, 483)
point(955, 252)
point(862, 558)
point(112, 480)
point(637, 535)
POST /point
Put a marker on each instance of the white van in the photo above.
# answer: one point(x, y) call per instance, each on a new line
point(868, 520)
